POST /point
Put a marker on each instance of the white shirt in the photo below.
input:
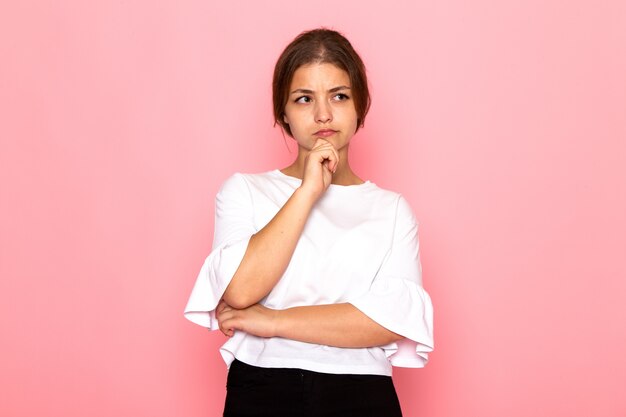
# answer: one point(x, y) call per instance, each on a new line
point(359, 245)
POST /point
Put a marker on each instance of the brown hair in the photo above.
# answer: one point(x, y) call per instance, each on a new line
point(319, 46)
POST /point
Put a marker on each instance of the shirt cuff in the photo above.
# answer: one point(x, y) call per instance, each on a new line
point(405, 308)
point(215, 275)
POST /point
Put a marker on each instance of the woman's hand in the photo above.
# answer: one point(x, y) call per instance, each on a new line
point(319, 166)
point(256, 320)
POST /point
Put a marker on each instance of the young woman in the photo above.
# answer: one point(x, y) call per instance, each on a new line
point(315, 274)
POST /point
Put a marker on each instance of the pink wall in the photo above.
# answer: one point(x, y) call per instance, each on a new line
point(503, 123)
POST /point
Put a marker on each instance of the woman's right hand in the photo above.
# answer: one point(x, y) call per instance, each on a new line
point(319, 166)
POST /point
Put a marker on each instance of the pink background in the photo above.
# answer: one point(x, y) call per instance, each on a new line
point(503, 123)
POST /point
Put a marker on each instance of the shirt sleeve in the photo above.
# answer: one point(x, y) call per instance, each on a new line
point(396, 298)
point(234, 226)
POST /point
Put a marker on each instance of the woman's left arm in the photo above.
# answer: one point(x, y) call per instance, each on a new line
point(340, 325)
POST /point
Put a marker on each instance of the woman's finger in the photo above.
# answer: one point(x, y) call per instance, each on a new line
point(326, 152)
point(334, 160)
point(329, 153)
point(227, 326)
point(220, 307)
point(224, 313)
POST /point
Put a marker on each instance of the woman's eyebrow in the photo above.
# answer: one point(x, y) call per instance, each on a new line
point(341, 87)
point(332, 90)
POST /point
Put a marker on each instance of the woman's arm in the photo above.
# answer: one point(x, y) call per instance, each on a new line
point(340, 325)
point(269, 250)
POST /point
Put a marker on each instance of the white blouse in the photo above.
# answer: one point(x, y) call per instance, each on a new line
point(359, 245)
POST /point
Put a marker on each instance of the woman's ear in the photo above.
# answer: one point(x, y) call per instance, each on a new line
point(285, 118)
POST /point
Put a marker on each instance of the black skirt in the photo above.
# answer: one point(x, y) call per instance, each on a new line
point(284, 392)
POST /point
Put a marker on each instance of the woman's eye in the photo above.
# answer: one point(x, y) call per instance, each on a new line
point(303, 99)
point(341, 97)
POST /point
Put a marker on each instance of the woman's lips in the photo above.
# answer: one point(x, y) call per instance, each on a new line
point(325, 133)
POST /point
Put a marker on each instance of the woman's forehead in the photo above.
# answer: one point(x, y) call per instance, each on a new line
point(319, 75)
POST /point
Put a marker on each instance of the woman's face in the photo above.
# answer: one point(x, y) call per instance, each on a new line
point(320, 105)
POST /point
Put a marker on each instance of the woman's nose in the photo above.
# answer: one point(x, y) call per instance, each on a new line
point(323, 113)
